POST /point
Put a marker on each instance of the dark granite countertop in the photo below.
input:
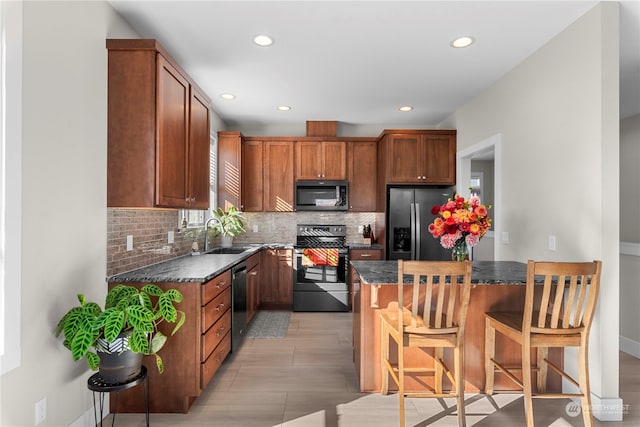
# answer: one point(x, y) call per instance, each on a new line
point(374, 246)
point(189, 268)
point(484, 272)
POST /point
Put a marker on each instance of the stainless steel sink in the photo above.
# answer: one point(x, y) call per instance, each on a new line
point(227, 250)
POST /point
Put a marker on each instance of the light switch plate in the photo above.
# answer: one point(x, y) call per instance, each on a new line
point(505, 237)
point(129, 242)
point(552, 243)
point(170, 238)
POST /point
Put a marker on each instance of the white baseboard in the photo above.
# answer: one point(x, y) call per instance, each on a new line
point(88, 418)
point(630, 346)
point(608, 408)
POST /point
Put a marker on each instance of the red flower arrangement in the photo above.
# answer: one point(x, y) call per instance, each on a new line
point(460, 223)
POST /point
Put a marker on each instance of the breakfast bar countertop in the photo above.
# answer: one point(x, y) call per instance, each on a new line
point(484, 272)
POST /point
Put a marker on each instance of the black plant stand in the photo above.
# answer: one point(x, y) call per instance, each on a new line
point(97, 385)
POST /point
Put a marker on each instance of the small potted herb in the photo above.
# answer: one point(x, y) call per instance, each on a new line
point(229, 224)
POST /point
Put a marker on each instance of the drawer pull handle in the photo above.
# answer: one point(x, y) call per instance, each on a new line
point(220, 284)
point(254, 273)
point(365, 255)
point(220, 331)
point(219, 307)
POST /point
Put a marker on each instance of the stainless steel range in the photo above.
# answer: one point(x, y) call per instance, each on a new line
point(320, 268)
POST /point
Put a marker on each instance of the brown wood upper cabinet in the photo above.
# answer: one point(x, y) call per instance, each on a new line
point(158, 130)
point(252, 176)
point(362, 160)
point(278, 176)
point(420, 157)
point(230, 170)
point(321, 160)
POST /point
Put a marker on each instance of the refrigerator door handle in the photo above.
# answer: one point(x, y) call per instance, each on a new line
point(412, 213)
point(418, 232)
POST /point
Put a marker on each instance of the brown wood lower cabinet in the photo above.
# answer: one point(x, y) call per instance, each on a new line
point(367, 301)
point(193, 355)
point(276, 279)
point(365, 254)
point(253, 285)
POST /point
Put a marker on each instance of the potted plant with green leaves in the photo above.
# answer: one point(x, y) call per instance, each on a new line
point(123, 332)
point(228, 225)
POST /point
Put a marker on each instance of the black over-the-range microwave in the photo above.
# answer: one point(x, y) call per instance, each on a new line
point(322, 195)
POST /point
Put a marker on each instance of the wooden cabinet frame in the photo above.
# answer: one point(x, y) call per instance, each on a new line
point(158, 130)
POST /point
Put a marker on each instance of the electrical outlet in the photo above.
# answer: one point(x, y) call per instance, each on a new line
point(170, 238)
point(129, 242)
point(360, 229)
point(552, 243)
point(256, 228)
point(41, 410)
point(505, 237)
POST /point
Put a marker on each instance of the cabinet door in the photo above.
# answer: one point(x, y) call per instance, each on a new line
point(253, 281)
point(285, 276)
point(308, 160)
point(439, 157)
point(252, 176)
point(199, 152)
point(403, 158)
point(172, 110)
point(362, 176)
point(334, 160)
point(229, 169)
point(278, 176)
point(269, 276)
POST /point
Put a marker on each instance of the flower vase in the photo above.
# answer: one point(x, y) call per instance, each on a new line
point(459, 252)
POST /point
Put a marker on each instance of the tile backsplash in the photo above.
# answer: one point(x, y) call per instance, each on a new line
point(150, 230)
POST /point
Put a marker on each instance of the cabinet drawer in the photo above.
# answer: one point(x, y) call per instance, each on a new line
point(211, 365)
point(365, 254)
point(215, 334)
point(215, 286)
point(215, 309)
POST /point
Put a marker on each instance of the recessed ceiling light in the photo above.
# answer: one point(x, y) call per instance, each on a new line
point(405, 108)
point(263, 40)
point(227, 96)
point(462, 41)
point(284, 108)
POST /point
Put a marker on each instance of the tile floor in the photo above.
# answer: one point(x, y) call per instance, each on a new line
point(308, 380)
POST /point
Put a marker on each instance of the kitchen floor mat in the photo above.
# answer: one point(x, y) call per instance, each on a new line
point(269, 324)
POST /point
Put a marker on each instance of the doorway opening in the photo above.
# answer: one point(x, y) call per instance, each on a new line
point(479, 170)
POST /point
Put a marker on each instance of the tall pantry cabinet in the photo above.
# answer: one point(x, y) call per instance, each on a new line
point(158, 130)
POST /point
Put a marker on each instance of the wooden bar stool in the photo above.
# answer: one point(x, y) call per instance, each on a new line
point(560, 316)
point(433, 317)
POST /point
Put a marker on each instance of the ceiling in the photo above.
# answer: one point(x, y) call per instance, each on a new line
point(357, 62)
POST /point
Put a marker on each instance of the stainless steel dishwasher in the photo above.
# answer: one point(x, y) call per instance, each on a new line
point(239, 303)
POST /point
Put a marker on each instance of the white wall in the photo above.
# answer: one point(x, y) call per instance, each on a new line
point(630, 235)
point(64, 199)
point(558, 115)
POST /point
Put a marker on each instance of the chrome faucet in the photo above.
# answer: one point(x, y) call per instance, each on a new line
point(206, 232)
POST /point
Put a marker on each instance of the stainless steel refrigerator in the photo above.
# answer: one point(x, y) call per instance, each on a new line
point(408, 219)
